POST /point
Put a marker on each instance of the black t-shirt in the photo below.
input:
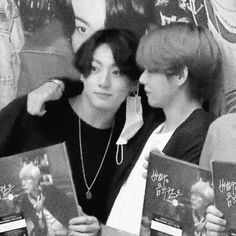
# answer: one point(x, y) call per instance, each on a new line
point(94, 142)
point(23, 132)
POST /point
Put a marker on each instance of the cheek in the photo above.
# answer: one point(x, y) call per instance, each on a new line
point(77, 40)
point(122, 93)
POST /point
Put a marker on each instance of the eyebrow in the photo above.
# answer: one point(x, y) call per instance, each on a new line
point(82, 20)
point(100, 63)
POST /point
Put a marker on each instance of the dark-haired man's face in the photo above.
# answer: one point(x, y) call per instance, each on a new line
point(90, 16)
point(106, 88)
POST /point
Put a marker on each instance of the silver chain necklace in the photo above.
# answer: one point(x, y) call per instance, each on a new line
point(88, 192)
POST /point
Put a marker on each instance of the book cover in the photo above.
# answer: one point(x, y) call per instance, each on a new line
point(109, 231)
point(37, 195)
point(176, 197)
point(224, 182)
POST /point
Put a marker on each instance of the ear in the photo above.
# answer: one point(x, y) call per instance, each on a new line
point(82, 78)
point(182, 77)
point(134, 87)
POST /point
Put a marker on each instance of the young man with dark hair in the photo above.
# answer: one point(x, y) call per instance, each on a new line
point(90, 122)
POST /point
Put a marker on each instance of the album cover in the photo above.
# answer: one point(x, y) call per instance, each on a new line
point(176, 197)
point(37, 193)
point(224, 182)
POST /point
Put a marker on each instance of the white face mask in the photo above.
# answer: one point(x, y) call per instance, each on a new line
point(133, 122)
point(134, 119)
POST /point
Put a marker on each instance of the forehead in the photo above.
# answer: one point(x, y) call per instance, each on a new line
point(90, 12)
point(103, 55)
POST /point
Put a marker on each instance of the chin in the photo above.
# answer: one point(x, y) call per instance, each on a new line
point(102, 106)
point(153, 104)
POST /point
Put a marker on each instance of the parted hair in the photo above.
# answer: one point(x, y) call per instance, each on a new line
point(169, 49)
point(123, 45)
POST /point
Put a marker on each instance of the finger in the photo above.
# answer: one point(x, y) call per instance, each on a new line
point(42, 111)
point(84, 219)
point(214, 211)
point(215, 219)
point(146, 157)
point(89, 229)
point(145, 165)
point(144, 175)
point(80, 210)
point(82, 224)
point(212, 233)
point(73, 233)
point(215, 227)
point(35, 104)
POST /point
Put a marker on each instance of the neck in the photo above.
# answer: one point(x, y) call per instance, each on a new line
point(98, 118)
point(177, 112)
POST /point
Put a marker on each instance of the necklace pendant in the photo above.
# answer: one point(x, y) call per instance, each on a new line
point(88, 195)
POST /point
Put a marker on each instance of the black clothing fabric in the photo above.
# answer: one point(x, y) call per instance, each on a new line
point(23, 132)
point(186, 144)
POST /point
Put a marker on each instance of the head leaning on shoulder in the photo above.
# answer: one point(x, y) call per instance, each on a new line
point(183, 49)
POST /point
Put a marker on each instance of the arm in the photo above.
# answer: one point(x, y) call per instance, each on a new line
point(220, 139)
point(9, 128)
point(52, 90)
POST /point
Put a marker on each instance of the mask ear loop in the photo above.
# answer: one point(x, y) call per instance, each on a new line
point(136, 93)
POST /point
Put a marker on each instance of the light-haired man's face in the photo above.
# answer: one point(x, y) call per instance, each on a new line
point(90, 16)
point(30, 184)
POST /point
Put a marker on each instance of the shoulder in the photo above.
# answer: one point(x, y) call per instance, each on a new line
point(224, 122)
point(220, 139)
point(187, 141)
point(197, 123)
point(194, 129)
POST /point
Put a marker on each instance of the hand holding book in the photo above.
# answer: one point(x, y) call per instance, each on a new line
point(147, 157)
point(215, 225)
point(84, 224)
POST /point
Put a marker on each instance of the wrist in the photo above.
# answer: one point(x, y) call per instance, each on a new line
point(60, 84)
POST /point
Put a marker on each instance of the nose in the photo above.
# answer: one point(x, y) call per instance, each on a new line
point(23, 183)
point(143, 78)
point(105, 79)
